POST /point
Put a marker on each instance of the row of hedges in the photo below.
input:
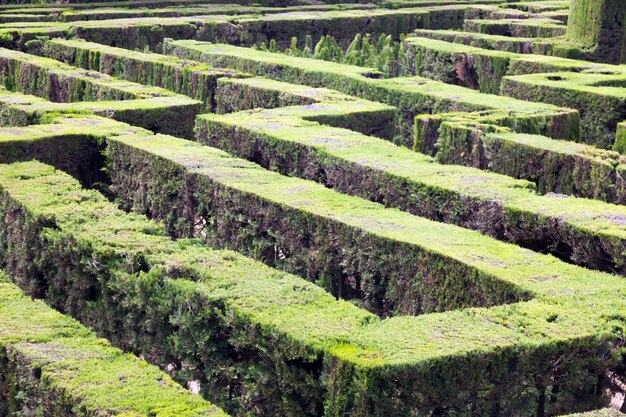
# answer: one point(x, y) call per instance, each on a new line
point(253, 336)
point(587, 173)
point(598, 96)
point(149, 32)
point(228, 195)
point(142, 9)
point(265, 341)
point(411, 95)
point(71, 144)
point(190, 78)
point(557, 166)
point(200, 81)
point(149, 107)
point(356, 249)
point(593, 93)
point(582, 231)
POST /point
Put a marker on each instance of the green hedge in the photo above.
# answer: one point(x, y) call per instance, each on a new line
point(523, 28)
point(149, 32)
point(478, 68)
point(262, 340)
point(321, 105)
point(253, 336)
point(71, 144)
point(192, 79)
point(356, 249)
point(485, 41)
point(51, 365)
point(288, 222)
point(564, 167)
point(412, 95)
point(599, 98)
point(597, 27)
point(582, 231)
point(148, 107)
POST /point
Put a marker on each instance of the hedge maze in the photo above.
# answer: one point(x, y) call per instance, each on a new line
point(312, 208)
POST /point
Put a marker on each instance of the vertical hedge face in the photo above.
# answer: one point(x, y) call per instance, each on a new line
point(599, 25)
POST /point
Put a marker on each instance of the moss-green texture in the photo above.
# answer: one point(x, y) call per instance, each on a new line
point(475, 139)
point(599, 98)
point(380, 171)
point(231, 321)
point(258, 212)
point(557, 166)
point(524, 28)
point(361, 390)
point(143, 9)
point(172, 115)
point(73, 144)
point(51, 365)
point(620, 138)
point(484, 69)
point(149, 32)
point(484, 41)
point(412, 95)
point(192, 79)
point(148, 107)
point(318, 104)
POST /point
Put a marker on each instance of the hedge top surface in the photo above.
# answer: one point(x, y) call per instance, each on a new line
point(541, 5)
point(275, 58)
point(66, 126)
point(564, 64)
point(40, 110)
point(599, 84)
point(482, 333)
point(146, 57)
point(316, 102)
point(94, 376)
point(593, 301)
point(107, 12)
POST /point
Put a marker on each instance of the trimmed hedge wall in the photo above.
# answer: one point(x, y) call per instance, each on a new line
point(597, 27)
point(564, 167)
point(350, 246)
point(72, 144)
point(190, 78)
point(50, 365)
point(148, 107)
point(599, 98)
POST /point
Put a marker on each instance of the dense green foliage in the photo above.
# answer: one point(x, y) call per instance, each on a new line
point(375, 276)
point(51, 365)
point(385, 54)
